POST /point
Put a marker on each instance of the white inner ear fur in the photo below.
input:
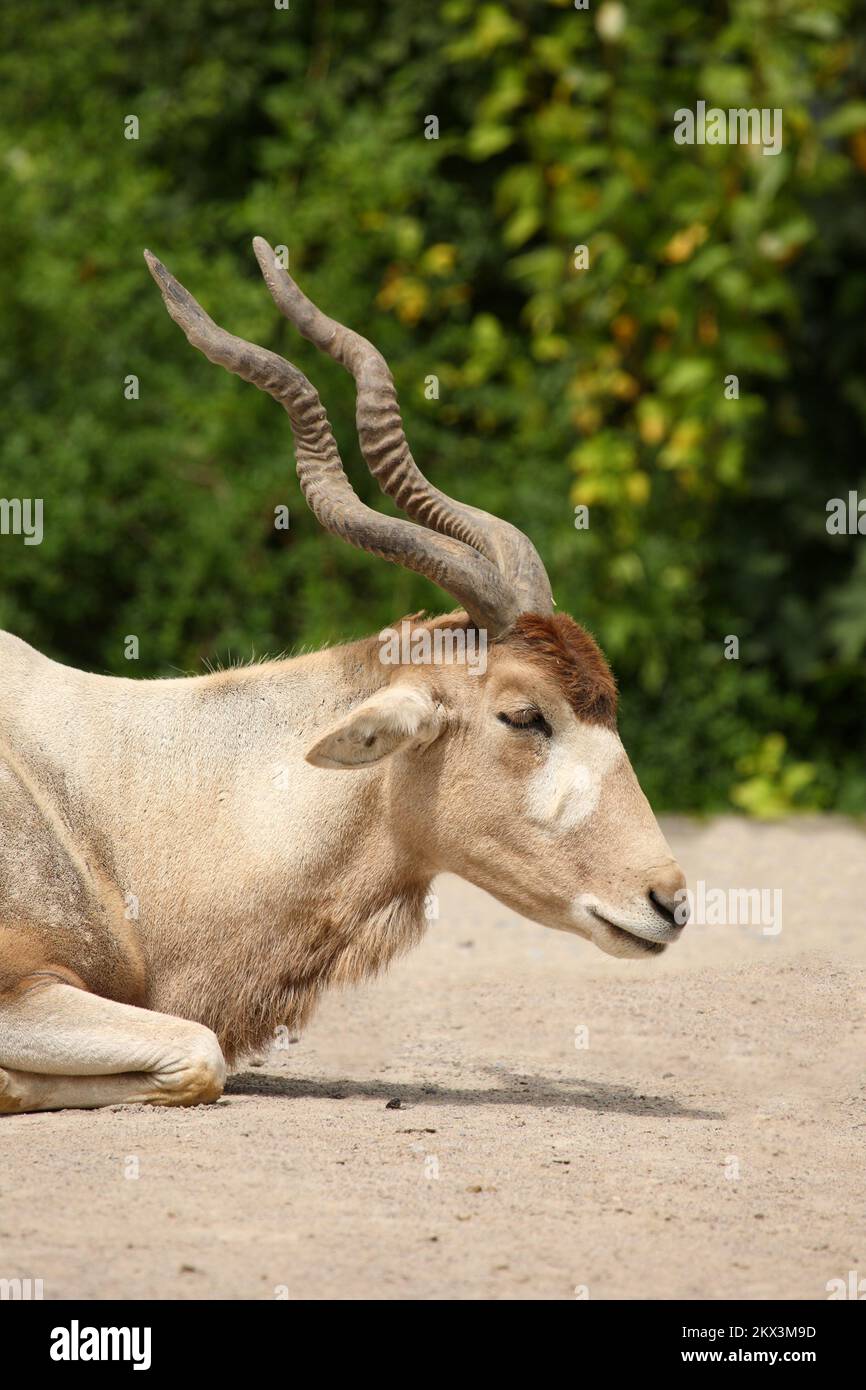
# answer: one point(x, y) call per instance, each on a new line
point(566, 790)
point(390, 719)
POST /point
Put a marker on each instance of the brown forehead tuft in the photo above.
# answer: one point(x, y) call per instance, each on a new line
point(566, 651)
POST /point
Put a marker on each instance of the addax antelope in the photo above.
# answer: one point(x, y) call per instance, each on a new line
point(187, 863)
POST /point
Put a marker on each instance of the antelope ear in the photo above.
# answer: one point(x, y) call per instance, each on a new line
point(390, 719)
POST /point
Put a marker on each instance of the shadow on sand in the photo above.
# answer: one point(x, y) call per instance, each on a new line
point(512, 1089)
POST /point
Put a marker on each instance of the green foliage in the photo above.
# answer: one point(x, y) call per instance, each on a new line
point(773, 784)
point(559, 386)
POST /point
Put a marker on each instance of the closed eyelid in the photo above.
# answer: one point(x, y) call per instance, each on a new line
point(530, 719)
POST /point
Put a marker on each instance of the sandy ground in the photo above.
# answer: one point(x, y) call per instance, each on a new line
point(507, 1115)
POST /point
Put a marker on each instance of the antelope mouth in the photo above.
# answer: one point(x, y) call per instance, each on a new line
point(632, 938)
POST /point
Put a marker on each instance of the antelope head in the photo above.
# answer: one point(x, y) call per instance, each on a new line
point(513, 777)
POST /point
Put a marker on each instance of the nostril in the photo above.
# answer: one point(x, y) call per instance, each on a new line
point(670, 910)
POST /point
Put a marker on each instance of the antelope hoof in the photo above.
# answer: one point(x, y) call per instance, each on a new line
point(11, 1094)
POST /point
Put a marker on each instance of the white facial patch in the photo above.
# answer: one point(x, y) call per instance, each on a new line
point(567, 789)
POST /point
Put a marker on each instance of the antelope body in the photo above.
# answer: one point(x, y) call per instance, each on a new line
point(185, 864)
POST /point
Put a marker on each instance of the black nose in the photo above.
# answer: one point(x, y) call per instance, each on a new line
point(675, 914)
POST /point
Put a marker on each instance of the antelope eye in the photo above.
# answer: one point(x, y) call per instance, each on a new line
point(527, 719)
